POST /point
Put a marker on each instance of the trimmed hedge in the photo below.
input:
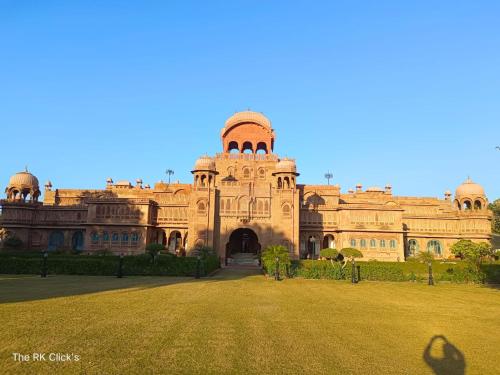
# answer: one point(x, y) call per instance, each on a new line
point(458, 272)
point(164, 265)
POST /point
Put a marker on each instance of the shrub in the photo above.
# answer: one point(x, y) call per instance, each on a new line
point(107, 266)
point(269, 256)
point(460, 272)
point(13, 243)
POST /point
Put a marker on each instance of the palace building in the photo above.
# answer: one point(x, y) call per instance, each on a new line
point(240, 201)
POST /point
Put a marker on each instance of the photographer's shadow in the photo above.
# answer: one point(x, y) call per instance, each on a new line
point(452, 361)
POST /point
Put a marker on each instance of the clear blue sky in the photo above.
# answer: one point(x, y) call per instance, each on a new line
point(376, 92)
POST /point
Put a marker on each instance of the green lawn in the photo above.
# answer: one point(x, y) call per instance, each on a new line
point(237, 323)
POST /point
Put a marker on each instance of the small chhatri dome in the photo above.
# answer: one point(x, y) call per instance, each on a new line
point(24, 179)
point(204, 163)
point(23, 185)
point(286, 165)
point(248, 116)
point(469, 188)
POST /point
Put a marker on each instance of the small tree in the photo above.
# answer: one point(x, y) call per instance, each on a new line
point(472, 252)
point(269, 256)
point(330, 254)
point(350, 254)
point(425, 256)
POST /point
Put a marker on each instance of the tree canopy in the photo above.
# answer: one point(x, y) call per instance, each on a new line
point(474, 252)
point(495, 223)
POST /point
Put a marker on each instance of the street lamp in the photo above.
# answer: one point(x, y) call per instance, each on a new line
point(44, 264)
point(120, 267)
point(328, 176)
point(431, 278)
point(169, 173)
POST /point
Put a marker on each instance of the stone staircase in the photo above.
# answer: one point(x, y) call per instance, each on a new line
point(243, 260)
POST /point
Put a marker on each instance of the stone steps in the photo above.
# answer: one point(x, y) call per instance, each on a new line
point(243, 259)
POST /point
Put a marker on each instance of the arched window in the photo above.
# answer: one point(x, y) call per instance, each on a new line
point(458, 206)
point(201, 208)
point(373, 243)
point(203, 180)
point(477, 205)
point(434, 247)
point(228, 205)
point(467, 205)
point(105, 237)
point(392, 244)
point(115, 238)
point(286, 183)
point(247, 148)
point(125, 238)
point(280, 184)
point(261, 148)
point(353, 243)
point(362, 243)
point(413, 247)
point(222, 205)
point(262, 173)
point(134, 238)
point(233, 147)
point(286, 210)
point(382, 243)
point(94, 238)
point(246, 172)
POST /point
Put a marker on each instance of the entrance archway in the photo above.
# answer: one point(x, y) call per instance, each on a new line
point(243, 240)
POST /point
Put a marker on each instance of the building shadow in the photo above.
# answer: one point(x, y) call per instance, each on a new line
point(451, 361)
point(22, 288)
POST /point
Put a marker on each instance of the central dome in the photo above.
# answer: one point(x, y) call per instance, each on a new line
point(248, 116)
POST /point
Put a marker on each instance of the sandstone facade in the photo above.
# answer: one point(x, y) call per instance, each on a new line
point(242, 200)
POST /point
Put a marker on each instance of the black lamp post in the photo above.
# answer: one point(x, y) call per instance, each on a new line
point(44, 264)
point(197, 274)
point(353, 272)
point(277, 269)
point(120, 267)
point(431, 278)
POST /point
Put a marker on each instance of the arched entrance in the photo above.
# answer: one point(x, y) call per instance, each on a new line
point(243, 240)
point(77, 241)
point(56, 240)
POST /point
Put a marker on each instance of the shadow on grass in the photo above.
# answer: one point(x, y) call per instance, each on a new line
point(21, 288)
point(450, 362)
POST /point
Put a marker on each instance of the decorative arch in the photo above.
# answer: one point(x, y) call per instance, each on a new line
point(247, 146)
point(286, 210)
point(329, 242)
point(233, 146)
point(261, 148)
point(478, 205)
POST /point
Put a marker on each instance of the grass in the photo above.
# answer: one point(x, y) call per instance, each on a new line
point(237, 323)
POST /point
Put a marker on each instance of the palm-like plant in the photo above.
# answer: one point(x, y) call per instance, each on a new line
point(350, 254)
point(273, 253)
